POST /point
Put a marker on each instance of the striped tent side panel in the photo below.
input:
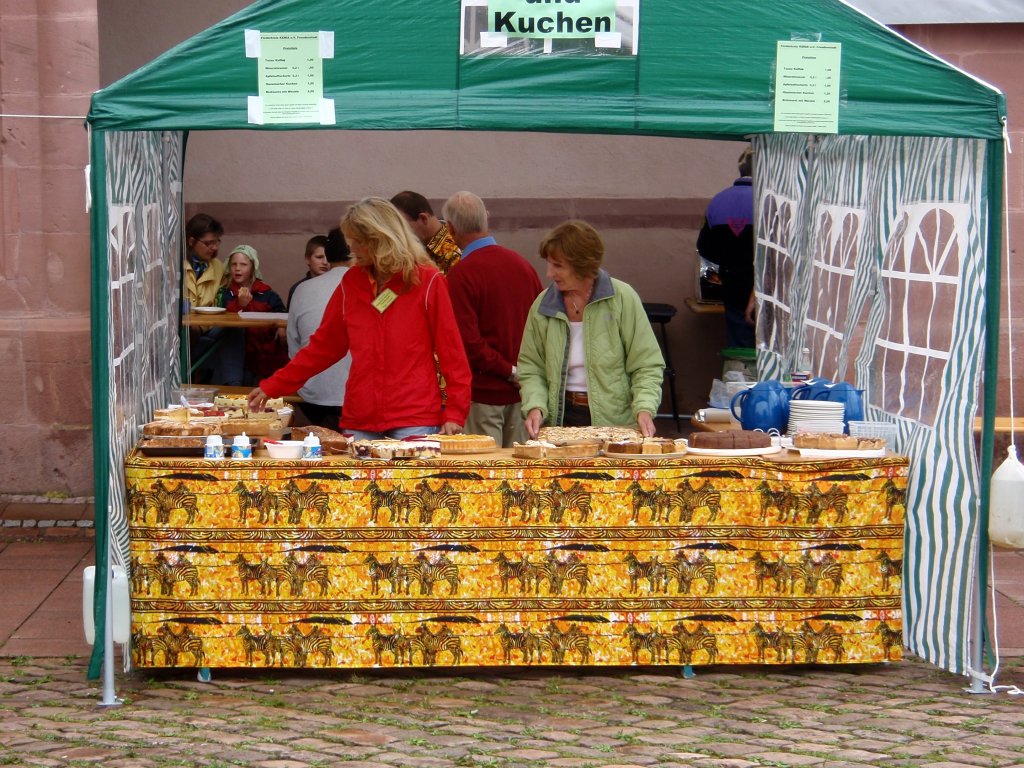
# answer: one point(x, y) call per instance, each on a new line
point(931, 198)
point(919, 206)
point(143, 188)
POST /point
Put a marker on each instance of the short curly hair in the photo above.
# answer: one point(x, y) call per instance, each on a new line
point(578, 243)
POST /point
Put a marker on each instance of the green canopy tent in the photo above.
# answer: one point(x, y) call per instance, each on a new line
point(878, 243)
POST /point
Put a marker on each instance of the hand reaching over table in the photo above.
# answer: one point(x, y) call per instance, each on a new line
point(533, 421)
point(451, 428)
point(645, 423)
point(257, 399)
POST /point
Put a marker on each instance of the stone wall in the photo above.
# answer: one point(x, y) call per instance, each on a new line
point(646, 194)
point(48, 66)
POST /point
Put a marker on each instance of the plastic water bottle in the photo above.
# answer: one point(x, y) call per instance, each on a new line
point(803, 366)
point(241, 448)
point(1006, 508)
point(214, 447)
point(311, 448)
point(805, 361)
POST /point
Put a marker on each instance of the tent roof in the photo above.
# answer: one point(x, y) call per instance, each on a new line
point(703, 69)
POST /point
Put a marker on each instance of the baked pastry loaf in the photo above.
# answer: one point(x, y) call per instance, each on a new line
point(730, 439)
point(174, 413)
point(331, 442)
point(531, 449)
point(649, 446)
point(252, 427)
point(629, 447)
point(396, 449)
point(564, 435)
point(836, 442)
point(241, 402)
point(542, 449)
point(172, 442)
point(465, 443)
point(179, 428)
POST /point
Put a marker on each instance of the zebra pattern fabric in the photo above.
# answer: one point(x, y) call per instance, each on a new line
point(139, 215)
point(730, 581)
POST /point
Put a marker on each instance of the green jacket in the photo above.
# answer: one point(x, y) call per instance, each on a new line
point(624, 362)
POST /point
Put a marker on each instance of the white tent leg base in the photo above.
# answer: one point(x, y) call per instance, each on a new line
point(974, 689)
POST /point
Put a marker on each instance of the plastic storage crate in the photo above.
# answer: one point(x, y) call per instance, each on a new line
point(883, 429)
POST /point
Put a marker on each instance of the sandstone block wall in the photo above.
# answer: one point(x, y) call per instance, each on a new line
point(49, 65)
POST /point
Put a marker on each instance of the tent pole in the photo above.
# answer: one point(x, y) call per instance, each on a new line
point(99, 311)
point(993, 295)
point(109, 695)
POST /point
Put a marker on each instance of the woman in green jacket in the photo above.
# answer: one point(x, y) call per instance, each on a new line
point(589, 355)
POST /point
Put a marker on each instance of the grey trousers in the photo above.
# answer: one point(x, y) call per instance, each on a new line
point(502, 422)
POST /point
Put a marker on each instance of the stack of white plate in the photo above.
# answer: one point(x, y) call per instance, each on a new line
point(815, 416)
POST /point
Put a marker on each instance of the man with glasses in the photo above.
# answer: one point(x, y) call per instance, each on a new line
point(203, 271)
point(202, 276)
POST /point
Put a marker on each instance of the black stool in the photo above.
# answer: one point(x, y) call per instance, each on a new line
point(661, 314)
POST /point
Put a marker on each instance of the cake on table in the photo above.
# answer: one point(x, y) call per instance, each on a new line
point(454, 444)
point(241, 402)
point(572, 442)
point(332, 442)
point(168, 427)
point(729, 440)
point(646, 446)
point(396, 449)
point(544, 449)
point(602, 435)
point(836, 442)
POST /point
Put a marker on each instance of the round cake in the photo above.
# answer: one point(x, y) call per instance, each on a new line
point(452, 444)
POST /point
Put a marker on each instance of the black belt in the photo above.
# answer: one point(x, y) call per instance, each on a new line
point(577, 398)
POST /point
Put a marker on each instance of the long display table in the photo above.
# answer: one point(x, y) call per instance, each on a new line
point(492, 560)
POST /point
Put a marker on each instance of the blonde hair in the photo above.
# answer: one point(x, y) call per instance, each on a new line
point(388, 237)
point(579, 244)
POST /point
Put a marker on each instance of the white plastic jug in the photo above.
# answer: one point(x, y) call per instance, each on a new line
point(1006, 505)
point(122, 619)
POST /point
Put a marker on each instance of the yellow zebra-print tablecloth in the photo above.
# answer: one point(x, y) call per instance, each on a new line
point(494, 560)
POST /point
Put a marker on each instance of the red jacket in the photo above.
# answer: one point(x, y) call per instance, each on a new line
point(492, 291)
point(264, 351)
point(393, 379)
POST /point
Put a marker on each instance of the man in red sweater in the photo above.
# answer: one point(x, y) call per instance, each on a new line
point(492, 289)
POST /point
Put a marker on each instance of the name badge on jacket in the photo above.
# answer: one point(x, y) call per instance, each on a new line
point(384, 300)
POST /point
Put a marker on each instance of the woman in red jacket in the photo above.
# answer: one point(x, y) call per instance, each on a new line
point(393, 313)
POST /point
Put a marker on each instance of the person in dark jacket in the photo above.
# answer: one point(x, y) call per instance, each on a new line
point(317, 262)
point(727, 239)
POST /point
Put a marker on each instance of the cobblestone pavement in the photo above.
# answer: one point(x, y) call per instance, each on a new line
point(901, 714)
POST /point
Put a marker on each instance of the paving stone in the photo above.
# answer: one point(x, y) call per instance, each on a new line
point(789, 758)
point(529, 754)
point(247, 720)
point(86, 754)
point(395, 758)
point(359, 736)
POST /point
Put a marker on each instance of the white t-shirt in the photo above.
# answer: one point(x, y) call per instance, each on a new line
point(576, 379)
